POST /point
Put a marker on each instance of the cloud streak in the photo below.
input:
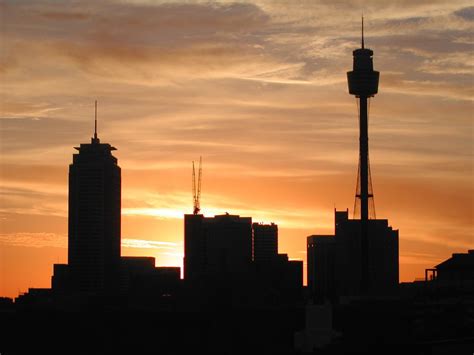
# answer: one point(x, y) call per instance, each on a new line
point(54, 240)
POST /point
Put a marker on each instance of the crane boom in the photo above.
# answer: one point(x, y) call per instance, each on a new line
point(197, 188)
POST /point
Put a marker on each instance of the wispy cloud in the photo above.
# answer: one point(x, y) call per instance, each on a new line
point(148, 244)
point(34, 240)
point(41, 240)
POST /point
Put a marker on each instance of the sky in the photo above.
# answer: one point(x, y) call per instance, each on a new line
point(258, 89)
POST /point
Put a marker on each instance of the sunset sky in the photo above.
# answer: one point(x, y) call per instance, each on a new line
point(258, 89)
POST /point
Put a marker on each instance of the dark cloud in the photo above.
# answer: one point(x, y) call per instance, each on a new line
point(466, 13)
point(421, 43)
point(110, 23)
point(28, 134)
point(131, 40)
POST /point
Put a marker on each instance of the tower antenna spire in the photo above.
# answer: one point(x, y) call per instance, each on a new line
point(362, 31)
point(95, 121)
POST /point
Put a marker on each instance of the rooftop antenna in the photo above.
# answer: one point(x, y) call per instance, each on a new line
point(362, 31)
point(95, 121)
point(94, 139)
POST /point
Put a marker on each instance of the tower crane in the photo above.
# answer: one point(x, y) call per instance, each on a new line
point(197, 188)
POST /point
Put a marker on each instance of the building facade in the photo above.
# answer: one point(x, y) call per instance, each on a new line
point(216, 245)
point(264, 242)
point(321, 266)
point(334, 262)
point(94, 221)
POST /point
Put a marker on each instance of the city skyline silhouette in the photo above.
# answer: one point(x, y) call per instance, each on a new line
point(258, 92)
point(427, 146)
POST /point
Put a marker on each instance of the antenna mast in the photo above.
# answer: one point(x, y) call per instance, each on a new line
point(95, 140)
point(197, 188)
point(95, 121)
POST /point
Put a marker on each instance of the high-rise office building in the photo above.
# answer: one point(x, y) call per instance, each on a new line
point(334, 260)
point(94, 218)
point(264, 242)
point(195, 242)
point(321, 267)
point(229, 244)
point(219, 268)
point(221, 244)
point(382, 256)
point(96, 273)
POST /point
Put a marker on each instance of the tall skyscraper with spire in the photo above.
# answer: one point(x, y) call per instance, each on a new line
point(94, 217)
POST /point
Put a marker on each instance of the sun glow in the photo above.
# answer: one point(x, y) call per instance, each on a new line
point(154, 212)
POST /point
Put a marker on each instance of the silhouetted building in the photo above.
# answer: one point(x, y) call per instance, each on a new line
point(290, 273)
point(61, 281)
point(138, 263)
point(221, 244)
point(96, 275)
point(318, 331)
point(6, 303)
point(450, 279)
point(334, 261)
point(35, 298)
point(147, 286)
point(94, 218)
point(321, 275)
point(279, 281)
point(219, 267)
point(229, 244)
point(264, 242)
point(459, 268)
point(382, 255)
point(144, 266)
point(195, 241)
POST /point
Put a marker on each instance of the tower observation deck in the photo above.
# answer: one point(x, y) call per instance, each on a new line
point(363, 82)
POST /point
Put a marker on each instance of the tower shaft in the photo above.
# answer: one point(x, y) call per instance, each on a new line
point(364, 159)
point(364, 190)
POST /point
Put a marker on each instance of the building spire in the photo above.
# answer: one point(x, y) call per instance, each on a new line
point(95, 121)
point(362, 31)
point(95, 139)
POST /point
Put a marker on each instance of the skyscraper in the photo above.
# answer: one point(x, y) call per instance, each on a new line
point(221, 244)
point(195, 242)
point(334, 261)
point(264, 242)
point(321, 267)
point(94, 218)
